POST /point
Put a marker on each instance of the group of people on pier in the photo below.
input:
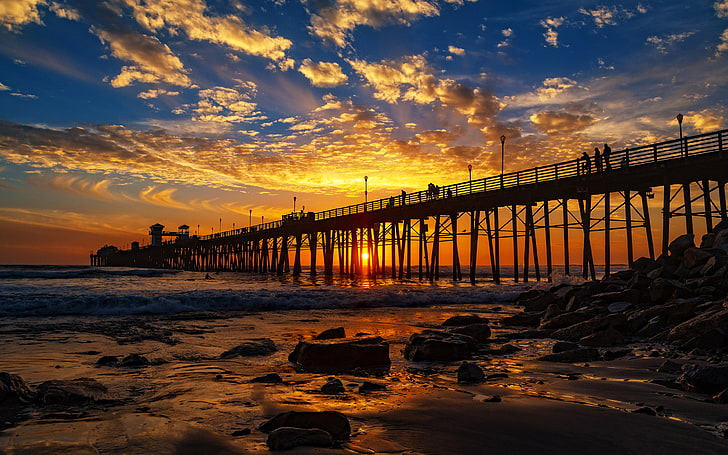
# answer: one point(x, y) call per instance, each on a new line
point(602, 161)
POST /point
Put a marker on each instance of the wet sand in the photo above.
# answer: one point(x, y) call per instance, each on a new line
point(189, 401)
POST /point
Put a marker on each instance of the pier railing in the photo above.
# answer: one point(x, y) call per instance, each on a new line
point(628, 158)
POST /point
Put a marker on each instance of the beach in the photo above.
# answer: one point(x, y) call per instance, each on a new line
point(186, 399)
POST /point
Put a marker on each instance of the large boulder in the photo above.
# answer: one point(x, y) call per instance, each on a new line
point(704, 378)
point(256, 347)
point(681, 243)
point(439, 346)
point(536, 300)
point(13, 390)
point(330, 334)
point(702, 325)
point(481, 332)
point(334, 423)
point(470, 373)
point(285, 438)
point(342, 355)
point(76, 391)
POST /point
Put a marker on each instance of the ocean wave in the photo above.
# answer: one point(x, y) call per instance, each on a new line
point(250, 300)
point(68, 272)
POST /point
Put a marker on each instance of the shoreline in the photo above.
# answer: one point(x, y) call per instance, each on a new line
point(188, 398)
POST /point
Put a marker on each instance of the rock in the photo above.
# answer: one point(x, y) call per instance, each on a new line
point(333, 386)
point(464, 320)
point(342, 355)
point(670, 367)
point(582, 329)
point(334, 423)
point(256, 347)
point(562, 346)
point(70, 391)
point(438, 345)
point(470, 373)
point(645, 265)
point(698, 326)
point(285, 438)
point(619, 307)
point(535, 300)
point(13, 390)
point(243, 432)
point(645, 410)
point(570, 318)
point(573, 356)
point(481, 332)
point(607, 337)
point(612, 354)
point(108, 361)
point(707, 240)
point(678, 246)
point(704, 378)
point(663, 289)
point(270, 378)
point(551, 311)
point(368, 386)
point(693, 257)
point(525, 319)
point(330, 334)
point(134, 360)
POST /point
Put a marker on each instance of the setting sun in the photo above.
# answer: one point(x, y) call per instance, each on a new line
point(364, 256)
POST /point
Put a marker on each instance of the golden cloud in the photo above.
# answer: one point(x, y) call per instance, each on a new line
point(551, 122)
point(335, 21)
point(152, 60)
point(323, 74)
point(706, 120)
point(16, 13)
point(190, 17)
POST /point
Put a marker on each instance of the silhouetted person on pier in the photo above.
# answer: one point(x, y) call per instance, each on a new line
point(587, 162)
point(606, 155)
point(597, 159)
point(449, 192)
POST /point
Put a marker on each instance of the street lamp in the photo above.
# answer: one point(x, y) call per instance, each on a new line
point(470, 176)
point(503, 146)
point(679, 118)
point(220, 229)
point(366, 193)
point(250, 219)
point(294, 204)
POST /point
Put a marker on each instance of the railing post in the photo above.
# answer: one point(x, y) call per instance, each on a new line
point(720, 142)
point(654, 152)
point(556, 171)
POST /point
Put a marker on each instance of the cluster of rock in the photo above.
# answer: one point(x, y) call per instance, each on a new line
point(679, 298)
point(16, 396)
point(318, 429)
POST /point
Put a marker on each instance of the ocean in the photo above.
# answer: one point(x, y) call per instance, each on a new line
point(86, 290)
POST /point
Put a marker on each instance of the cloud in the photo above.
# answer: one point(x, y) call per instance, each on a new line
point(335, 20)
point(3, 87)
point(225, 105)
point(322, 74)
point(152, 60)
point(607, 15)
point(456, 50)
point(65, 11)
point(411, 79)
point(706, 120)
point(16, 13)
point(721, 8)
point(722, 48)
point(662, 43)
point(156, 93)
point(162, 197)
point(551, 24)
point(551, 122)
point(78, 186)
point(554, 86)
point(190, 17)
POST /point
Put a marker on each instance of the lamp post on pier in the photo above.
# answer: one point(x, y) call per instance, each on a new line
point(470, 176)
point(503, 147)
point(250, 218)
point(294, 204)
point(366, 192)
point(679, 118)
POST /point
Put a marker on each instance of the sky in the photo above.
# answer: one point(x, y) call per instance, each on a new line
point(119, 114)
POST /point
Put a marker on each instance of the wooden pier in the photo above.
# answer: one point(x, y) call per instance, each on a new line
point(522, 215)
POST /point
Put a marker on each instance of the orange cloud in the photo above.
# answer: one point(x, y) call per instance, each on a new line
point(322, 74)
point(16, 13)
